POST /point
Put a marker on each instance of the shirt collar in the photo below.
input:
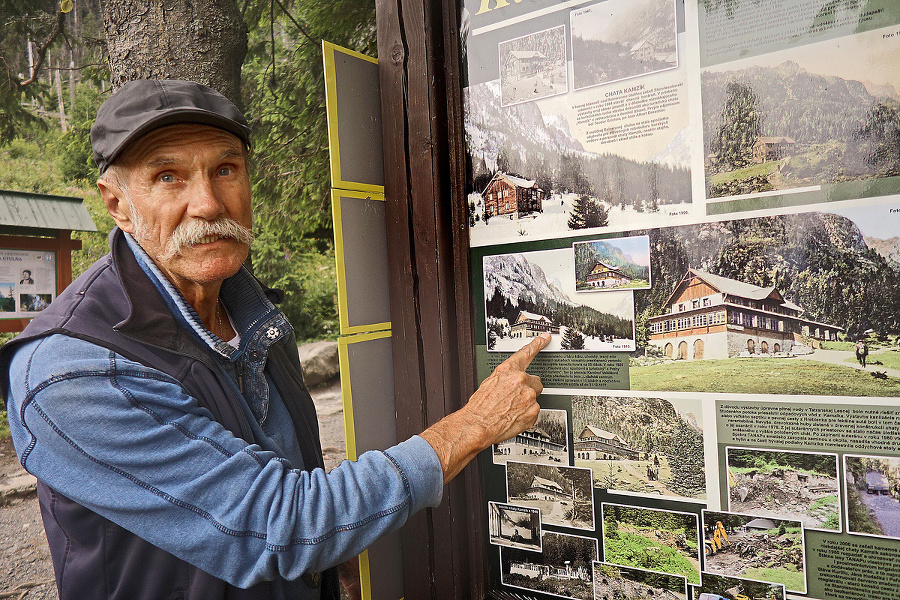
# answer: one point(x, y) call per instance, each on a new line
point(241, 294)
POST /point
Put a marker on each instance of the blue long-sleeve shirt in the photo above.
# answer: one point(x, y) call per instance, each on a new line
point(128, 443)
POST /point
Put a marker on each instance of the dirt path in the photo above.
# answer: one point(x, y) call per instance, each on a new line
point(886, 510)
point(839, 357)
point(24, 553)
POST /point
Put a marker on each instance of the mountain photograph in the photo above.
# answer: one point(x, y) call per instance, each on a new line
point(805, 121)
point(538, 151)
point(525, 296)
point(619, 39)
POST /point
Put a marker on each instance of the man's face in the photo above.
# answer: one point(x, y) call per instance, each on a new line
point(185, 184)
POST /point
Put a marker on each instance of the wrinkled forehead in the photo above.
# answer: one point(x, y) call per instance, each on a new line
point(179, 143)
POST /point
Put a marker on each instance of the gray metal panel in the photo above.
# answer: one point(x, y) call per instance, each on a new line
point(359, 119)
point(372, 393)
point(386, 568)
point(364, 236)
point(22, 209)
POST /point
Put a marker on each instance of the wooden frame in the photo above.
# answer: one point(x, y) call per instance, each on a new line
point(62, 244)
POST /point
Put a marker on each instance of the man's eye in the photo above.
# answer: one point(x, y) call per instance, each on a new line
point(167, 178)
point(224, 171)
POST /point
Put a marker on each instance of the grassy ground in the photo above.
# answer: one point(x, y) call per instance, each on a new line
point(761, 376)
point(890, 359)
point(792, 580)
point(623, 548)
point(745, 173)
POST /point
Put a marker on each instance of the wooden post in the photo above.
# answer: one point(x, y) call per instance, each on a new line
point(431, 300)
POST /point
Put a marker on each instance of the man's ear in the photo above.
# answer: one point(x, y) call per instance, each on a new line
point(116, 204)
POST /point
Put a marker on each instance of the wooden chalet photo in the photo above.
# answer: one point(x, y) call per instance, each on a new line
point(532, 325)
point(606, 276)
point(525, 63)
point(643, 50)
point(513, 196)
point(772, 148)
point(532, 442)
point(596, 444)
point(708, 316)
point(545, 489)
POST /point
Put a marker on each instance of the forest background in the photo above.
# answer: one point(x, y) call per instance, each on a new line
point(54, 74)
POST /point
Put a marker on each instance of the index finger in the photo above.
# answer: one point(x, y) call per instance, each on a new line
point(523, 357)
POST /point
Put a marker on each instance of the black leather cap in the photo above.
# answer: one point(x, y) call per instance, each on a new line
point(143, 105)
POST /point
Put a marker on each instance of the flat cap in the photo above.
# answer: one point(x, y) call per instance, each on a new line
point(143, 105)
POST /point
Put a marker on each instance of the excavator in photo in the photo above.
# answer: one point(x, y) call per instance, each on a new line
point(717, 541)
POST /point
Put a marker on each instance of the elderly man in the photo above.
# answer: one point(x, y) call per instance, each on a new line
point(160, 403)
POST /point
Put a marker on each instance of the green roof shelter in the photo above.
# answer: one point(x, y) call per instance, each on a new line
point(36, 252)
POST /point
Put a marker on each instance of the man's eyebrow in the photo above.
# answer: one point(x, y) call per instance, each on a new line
point(161, 161)
point(233, 153)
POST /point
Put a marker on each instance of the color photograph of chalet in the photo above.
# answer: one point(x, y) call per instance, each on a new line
point(641, 445)
point(507, 195)
point(612, 264)
point(606, 276)
point(545, 442)
point(514, 526)
point(709, 316)
point(564, 495)
point(768, 148)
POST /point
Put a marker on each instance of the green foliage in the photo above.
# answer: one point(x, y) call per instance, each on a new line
point(308, 277)
point(72, 149)
point(25, 167)
point(769, 460)
point(284, 92)
point(284, 95)
point(19, 20)
point(741, 126)
point(639, 551)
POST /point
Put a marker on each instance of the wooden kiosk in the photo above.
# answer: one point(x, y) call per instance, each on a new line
point(36, 252)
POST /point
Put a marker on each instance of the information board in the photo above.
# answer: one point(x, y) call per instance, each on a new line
point(27, 282)
point(698, 200)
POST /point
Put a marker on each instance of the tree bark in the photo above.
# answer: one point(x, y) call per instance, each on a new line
point(196, 40)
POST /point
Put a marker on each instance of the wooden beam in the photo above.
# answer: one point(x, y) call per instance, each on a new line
point(431, 299)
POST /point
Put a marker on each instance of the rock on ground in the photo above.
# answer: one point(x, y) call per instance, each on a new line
point(320, 362)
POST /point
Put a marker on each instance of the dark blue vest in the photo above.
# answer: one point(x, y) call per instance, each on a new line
point(114, 304)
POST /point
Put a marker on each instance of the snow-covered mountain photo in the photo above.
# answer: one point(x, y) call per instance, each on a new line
point(533, 179)
point(529, 293)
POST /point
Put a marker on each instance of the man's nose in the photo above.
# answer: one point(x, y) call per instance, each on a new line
point(204, 199)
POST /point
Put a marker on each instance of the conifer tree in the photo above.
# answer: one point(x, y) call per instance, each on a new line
point(572, 339)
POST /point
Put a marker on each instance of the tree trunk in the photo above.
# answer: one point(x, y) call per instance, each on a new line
point(60, 103)
point(197, 40)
